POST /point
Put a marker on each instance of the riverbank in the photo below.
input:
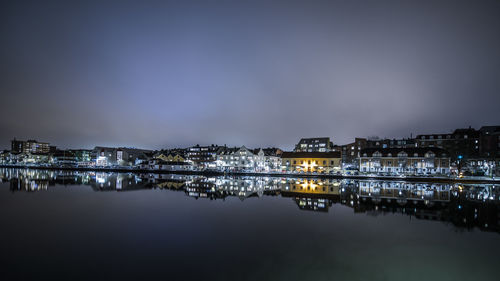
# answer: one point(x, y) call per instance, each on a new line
point(287, 175)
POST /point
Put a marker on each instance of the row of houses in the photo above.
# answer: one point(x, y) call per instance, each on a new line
point(476, 151)
point(243, 159)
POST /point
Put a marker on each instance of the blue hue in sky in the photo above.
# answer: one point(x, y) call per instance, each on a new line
point(158, 74)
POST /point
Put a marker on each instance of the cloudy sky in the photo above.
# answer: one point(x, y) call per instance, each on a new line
point(159, 74)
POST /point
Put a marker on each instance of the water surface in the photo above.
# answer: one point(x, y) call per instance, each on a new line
point(74, 225)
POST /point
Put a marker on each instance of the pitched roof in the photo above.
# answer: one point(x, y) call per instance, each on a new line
point(228, 150)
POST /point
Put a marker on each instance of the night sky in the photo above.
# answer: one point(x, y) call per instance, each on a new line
point(155, 74)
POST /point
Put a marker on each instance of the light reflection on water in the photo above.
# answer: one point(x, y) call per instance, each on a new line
point(465, 206)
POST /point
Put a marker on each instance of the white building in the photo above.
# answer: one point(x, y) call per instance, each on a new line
point(245, 160)
point(404, 161)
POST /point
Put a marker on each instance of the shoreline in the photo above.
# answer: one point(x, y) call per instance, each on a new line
point(255, 174)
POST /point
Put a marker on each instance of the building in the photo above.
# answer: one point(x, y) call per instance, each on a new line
point(159, 164)
point(490, 142)
point(73, 157)
point(311, 162)
point(170, 157)
point(246, 160)
point(314, 145)
point(415, 161)
point(391, 143)
point(237, 159)
point(166, 160)
point(29, 158)
point(489, 150)
point(30, 146)
point(475, 152)
point(462, 144)
point(268, 159)
point(350, 152)
point(123, 156)
point(203, 157)
point(228, 160)
point(84, 157)
point(63, 158)
point(5, 157)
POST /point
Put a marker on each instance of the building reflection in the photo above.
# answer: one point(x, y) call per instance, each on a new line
point(312, 194)
point(463, 206)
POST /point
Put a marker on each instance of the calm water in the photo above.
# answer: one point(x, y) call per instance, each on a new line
point(128, 226)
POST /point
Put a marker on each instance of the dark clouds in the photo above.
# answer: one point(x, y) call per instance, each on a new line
point(177, 73)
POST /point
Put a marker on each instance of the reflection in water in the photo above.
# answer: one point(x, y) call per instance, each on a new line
point(465, 206)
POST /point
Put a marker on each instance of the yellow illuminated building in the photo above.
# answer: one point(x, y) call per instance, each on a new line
point(311, 162)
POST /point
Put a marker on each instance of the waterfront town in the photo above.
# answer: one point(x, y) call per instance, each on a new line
point(465, 152)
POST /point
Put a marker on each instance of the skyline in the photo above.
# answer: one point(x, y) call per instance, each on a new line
point(369, 138)
point(157, 75)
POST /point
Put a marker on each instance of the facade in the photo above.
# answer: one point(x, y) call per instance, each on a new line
point(64, 158)
point(73, 157)
point(30, 146)
point(489, 150)
point(490, 142)
point(246, 160)
point(311, 162)
point(29, 158)
point(415, 161)
point(391, 143)
point(480, 167)
point(461, 144)
point(350, 152)
point(109, 156)
point(5, 157)
point(314, 145)
point(268, 159)
point(166, 161)
point(237, 159)
point(475, 152)
point(84, 157)
point(203, 157)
